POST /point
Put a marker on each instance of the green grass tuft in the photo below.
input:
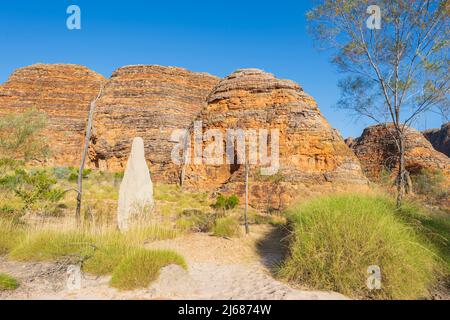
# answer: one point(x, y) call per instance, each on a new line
point(226, 227)
point(7, 282)
point(336, 238)
point(141, 267)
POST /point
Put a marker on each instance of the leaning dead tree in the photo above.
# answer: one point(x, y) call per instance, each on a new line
point(87, 139)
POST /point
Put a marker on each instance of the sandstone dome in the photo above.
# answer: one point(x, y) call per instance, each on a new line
point(147, 101)
point(311, 153)
point(63, 92)
point(376, 150)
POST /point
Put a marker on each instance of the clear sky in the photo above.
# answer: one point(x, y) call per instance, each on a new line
point(212, 36)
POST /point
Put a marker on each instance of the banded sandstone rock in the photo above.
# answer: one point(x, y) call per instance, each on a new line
point(63, 92)
point(149, 102)
point(311, 152)
point(376, 150)
point(440, 138)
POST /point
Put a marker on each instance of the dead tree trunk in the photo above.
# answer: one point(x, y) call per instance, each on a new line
point(87, 139)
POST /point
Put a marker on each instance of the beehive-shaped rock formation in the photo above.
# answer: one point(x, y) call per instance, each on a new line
point(63, 92)
point(376, 150)
point(440, 138)
point(149, 102)
point(311, 153)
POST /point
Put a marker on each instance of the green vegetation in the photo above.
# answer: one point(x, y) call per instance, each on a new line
point(10, 235)
point(100, 252)
point(430, 184)
point(336, 238)
point(141, 267)
point(226, 203)
point(7, 282)
point(20, 136)
point(226, 227)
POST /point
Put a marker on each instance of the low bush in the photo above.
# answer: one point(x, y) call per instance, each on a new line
point(142, 266)
point(336, 238)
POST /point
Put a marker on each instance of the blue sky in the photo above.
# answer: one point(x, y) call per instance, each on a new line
point(212, 36)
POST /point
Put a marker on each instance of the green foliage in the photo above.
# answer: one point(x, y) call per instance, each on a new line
point(20, 136)
point(48, 245)
point(226, 203)
point(141, 267)
point(226, 227)
point(429, 182)
point(7, 282)
point(336, 238)
point(37, 186)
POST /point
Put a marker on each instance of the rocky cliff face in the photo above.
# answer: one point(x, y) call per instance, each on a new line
point(376, 150)
point(63, 92)
point(149, 102)
point(311, 152)
point(440, 138)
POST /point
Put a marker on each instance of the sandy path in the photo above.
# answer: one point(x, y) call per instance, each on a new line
point(217, 269)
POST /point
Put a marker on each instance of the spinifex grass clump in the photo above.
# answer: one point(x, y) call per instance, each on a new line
point(7, 282)
point(336, 238)
point(101, 252)
point(10, 234)
point(142, 266)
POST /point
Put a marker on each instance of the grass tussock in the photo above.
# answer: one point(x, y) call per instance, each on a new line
point(226, 227)
point(336, 238)
point(141, 267)
point(101, 252)
point(8, 282)
point(10, 234)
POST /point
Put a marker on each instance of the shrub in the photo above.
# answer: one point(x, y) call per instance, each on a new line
point(142, 266)
point(38, 186)
point(7, 282)
point(429, 182)
point(226, 203)
point(20, 135)
point(73, 176)
point(226, 227)
point(336, 238)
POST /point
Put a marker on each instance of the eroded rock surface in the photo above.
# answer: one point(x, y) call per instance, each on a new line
point(376, 150)
point(63, 92)
point(440, 138)
point(310, 151)
point(150, 102)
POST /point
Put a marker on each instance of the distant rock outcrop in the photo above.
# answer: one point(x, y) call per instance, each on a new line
point(311, 153)
point(136, 189)
point(376, 150)
point(63, 92)
point(150, 102)
point(440, 138)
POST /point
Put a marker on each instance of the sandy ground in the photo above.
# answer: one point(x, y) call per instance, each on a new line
point(218, 268)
